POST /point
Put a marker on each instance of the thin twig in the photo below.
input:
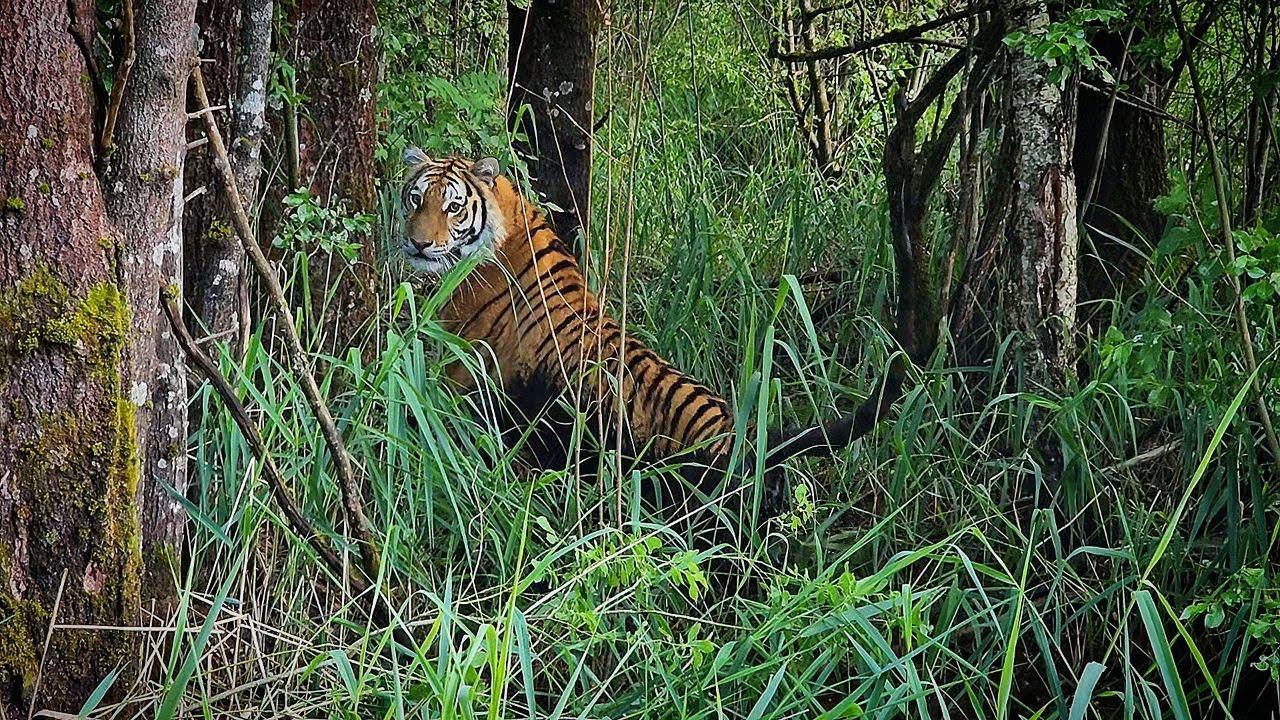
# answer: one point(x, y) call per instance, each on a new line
point(812, 13)
point(205, 111)
point(279, 490)
point(298, 359)
point(1154, 453)
point(1224, 220)
point(1103, 135)
point(127, 56)
point(48, 637)
point(1208, 15)
point(84, 40)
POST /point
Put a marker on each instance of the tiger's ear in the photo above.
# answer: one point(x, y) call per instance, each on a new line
point(414, 156)
point(485, 170)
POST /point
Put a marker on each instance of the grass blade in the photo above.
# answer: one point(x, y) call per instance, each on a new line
point(1163, 653)
point(1084, 691)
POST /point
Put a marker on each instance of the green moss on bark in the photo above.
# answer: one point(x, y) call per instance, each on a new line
point(123, 531)
point(79, 472)
point(21, 622)
point(40, 310)
point(220, 235)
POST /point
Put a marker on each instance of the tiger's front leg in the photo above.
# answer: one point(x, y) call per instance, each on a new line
point(460, 378)
point(502, 370)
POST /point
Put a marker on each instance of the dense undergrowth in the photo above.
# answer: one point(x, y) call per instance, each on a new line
point(914, 575)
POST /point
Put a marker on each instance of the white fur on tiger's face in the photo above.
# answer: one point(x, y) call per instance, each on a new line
point(450, 211)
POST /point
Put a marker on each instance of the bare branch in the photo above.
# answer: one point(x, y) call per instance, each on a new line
point(127, 56)
point(906, 34)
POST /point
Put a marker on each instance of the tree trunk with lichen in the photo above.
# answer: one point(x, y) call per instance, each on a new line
point(144, 193)
point(551, 60)
point(235, 36)
point(1042, 229)
point(331, 45)
point(92, 393)
point(1042, 226)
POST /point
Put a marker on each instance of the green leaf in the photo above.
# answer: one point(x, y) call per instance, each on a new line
point(766, 697)
point(95, 697)
point(1084, 691)
point(173, 694)
point(1163, 653)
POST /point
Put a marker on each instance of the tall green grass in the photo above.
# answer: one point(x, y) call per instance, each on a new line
point(915, 575)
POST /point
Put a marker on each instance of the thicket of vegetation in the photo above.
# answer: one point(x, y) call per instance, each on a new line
point(1011, 540)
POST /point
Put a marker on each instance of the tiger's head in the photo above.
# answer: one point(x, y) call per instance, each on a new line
point(450, 210)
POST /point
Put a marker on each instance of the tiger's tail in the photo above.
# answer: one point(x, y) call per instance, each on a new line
point(828, 437)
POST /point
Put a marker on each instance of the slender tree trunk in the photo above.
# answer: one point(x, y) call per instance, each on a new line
point(334, 52)
point(812, 106)
point(206, 231)
point(145, 200)
point(1260, 131)
point(551, 59)
point(236, 36)
point(1042, 225)
point(92, 396)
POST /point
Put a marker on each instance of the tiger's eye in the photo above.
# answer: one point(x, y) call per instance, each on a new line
point(453, 208)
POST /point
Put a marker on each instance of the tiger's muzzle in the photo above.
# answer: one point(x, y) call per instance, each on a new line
point(429, 260)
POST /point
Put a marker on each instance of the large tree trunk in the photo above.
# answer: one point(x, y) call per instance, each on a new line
point(1120, 164)
point(70, 454)
point(236, 36)
point(335, 54)
point(92, 396)
point(551, 57)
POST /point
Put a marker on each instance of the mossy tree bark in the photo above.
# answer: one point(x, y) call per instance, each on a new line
point(92, 396)
point(551, 59)
point(329, 143)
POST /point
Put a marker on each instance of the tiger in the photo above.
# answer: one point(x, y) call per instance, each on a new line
point(528, 304)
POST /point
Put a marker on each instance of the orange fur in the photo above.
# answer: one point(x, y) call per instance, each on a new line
point(530, 306)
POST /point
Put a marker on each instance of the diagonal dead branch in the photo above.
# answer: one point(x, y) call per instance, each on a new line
point(279, 490)
point(298, 360)
point(360, 582)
